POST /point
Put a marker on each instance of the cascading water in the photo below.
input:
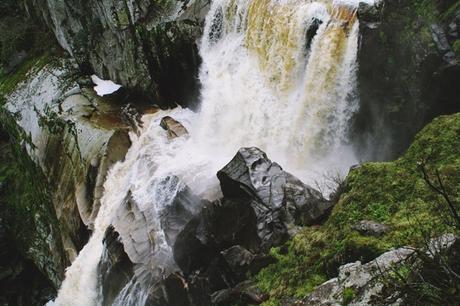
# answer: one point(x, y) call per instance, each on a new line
point(276, 74)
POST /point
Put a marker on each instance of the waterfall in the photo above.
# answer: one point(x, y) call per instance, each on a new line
point(276, 74)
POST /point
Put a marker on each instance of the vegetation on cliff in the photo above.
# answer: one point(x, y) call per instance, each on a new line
point(28, 227)
point(394, 193)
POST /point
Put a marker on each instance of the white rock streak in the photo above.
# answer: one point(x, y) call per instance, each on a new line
point(104, 87)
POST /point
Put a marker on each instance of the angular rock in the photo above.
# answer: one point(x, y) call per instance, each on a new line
point(139, 228)
point(170, 291)
point(175, 128)
point(220, 224)
point(280, 199)
point(444, 48)
point(371, 228)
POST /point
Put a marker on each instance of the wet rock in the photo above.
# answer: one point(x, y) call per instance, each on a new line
point(139, 228)
point(371, 228)
point(173, 127)
point(132, 117)
point(280, 199)
point(442, 44)
point(170, 291)
point(115, 269)
point(243, 293)
point(175, 216)
point(312, 30)
point(406, 75)
point(220, 225)
point(75, 145)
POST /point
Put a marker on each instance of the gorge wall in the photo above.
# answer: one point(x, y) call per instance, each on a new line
point(408, 71)
point(150, 47)
point(366, 77)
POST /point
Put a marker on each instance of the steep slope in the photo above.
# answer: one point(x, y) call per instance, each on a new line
point(394, 193)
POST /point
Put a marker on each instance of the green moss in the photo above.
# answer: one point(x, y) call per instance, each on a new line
point(393, 193)
point(348, 295)
point(450, 12)
point(456, 47)
point(26, 210)
point(9, 82)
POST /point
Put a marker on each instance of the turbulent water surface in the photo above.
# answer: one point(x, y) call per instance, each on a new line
point(276, 74)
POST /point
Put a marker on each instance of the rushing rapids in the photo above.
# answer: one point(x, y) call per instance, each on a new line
point(276, 74)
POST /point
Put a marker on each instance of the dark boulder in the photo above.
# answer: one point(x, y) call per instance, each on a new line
point(220, 224)
point(242, 261)
point(170, 291)
point(115, 268)
point(280, 199)
point(242, 294)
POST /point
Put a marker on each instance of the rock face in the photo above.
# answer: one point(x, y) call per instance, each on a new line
point(147, 46)
point(408, 69)
point(280, 199)
point(76, 138)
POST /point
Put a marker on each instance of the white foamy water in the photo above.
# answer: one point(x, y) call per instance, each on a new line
point(263, 84)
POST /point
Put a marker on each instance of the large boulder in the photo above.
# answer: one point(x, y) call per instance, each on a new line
point(280, 200)
point(220, 225)
point(147, 233)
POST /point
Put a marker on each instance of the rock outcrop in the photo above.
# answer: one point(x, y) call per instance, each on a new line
point(408, 71)
point(148, 47)
point(368, 284)
point(76, 138)
point(362, 280)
